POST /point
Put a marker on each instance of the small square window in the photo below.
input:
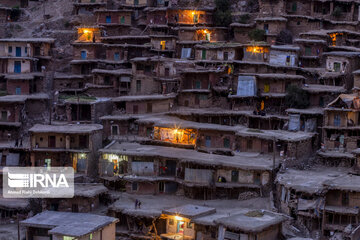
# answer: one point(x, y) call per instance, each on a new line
point(189, 225)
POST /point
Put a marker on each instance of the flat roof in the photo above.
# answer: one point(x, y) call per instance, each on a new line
point(89, 190)
point(135, 98)
point(68, 223)
point(342, 54)
point(308, 111)
point(113, 72)
point(285, 47)
point(172, 122)
point(23, 76)
point(347, 182)
point(67, 128)
point(153, 205)
point(316, 88)
point(28, 40)
point(309, 181)
point(190, 211)
point(241, 160)
point(23, 98)
point(252, 221)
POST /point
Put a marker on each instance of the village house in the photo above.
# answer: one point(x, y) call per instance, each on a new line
point(298, 24)
point(163, 44)
point(25, 55)
point(255, 224)
point(118, 126)
point(66, 145)
point(68, 225)
point(134, 4)
point(155, 170)
point(17, 110)
point(301, 195)
point(262, 91)
point(156, 17)
point(64, 81)
point(140, 104)
point(11, 209)
point(179, 220)
point(116, 22)
point(335, 11)
point(24, 84)
point(81, 108)
point(284, 55)
point(87, 198)
point(341, 206)
point(308, 120)
point(198, 84)
point(201, 33)
point(268, 8)
point(221, 52)
point(154, 75)
point(87, 7)
point(113, 82)
point(311, 50)
point(256, 52)
point(188, 16)
point(241, 32)
point(341, 114)
point(117, 53)
point(272, 27)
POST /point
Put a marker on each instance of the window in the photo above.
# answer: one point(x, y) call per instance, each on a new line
point(135, 109)
point(266, 87)
point(10, 49)
point(26, 50)
point(107, 80)
point(83, 54)
point(196, 18)
point(116, 56)
point(266, 28)
point(203, 54)
point(134, 186)
point(189, 225)
point(68, 238)
point(108, 19)
point(147, 69)
point(208, 141)
point(185, 52)
point(308, 51)
point(197, 84)
point(234, 176)
point(288, 61)
point(226, 56)
point(294, 7)
point(18, 90)
point(337, 66)
point(138, 85)
point(3, 115)
point(249, 144)
point(114, 130)
point(345, 198)
point(162, 45)
point(337, 120)
point(122, 20)
point(226, 143)
point(171, 221)
point(149, 107)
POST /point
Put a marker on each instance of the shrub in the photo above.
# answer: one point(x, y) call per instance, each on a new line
point(222, 15)
point(257, 35)
point(296, 97)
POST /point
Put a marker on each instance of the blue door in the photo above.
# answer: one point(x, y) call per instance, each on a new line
point(83, 55)
point(108, 19)
point(18, 91)
point(208, 141)
point(17, 67)
point(18, 51)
